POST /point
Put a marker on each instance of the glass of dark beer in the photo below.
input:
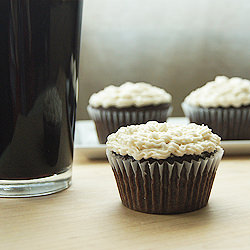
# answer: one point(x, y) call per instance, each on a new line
point(39, 61)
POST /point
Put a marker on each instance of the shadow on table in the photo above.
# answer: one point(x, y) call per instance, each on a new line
point(130, 220)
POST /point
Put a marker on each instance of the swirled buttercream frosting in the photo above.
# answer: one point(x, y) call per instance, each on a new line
point(222, 92)
point(130, 94)
point(161, 140)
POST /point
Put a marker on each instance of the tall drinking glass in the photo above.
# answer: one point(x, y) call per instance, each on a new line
point(39, 60)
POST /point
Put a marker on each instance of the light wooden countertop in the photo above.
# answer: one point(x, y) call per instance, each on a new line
point(89, 215)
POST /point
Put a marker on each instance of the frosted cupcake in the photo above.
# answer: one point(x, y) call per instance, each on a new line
point(163, 168)
point(130, 103)
point(223, 105)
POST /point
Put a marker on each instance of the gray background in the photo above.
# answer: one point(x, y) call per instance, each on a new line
point(175, 44)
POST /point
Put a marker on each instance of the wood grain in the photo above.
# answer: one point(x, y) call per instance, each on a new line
point(89, 215)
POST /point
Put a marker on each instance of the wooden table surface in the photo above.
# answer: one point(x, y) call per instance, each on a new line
point(89, 215)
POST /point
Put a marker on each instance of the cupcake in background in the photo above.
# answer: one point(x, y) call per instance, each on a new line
point(163, 168)
point(130, 103)
point(223, 105)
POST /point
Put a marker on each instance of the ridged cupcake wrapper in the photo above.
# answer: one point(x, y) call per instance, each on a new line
point(228, 123)
point(164, 188)
point(109, 121)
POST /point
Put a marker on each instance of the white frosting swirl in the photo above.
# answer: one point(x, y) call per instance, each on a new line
point(160, 140)
point(222, 92)
point(129, 94)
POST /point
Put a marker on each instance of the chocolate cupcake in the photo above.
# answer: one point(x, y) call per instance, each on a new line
point(162, 168)
point(131, 103)
point(223, 105)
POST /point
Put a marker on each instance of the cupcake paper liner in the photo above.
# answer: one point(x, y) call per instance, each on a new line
point(164, 188)
point(108, 121)
point(228, 123)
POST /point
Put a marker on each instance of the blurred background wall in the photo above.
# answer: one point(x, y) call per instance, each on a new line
point(174, 44)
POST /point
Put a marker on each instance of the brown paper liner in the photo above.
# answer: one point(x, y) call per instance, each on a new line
point(228, 123)
point(164, 188)
point(109, 120)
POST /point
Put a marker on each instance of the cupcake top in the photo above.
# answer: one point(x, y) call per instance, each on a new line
point(161, 140)
point(129, 94)
point(222, 92)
